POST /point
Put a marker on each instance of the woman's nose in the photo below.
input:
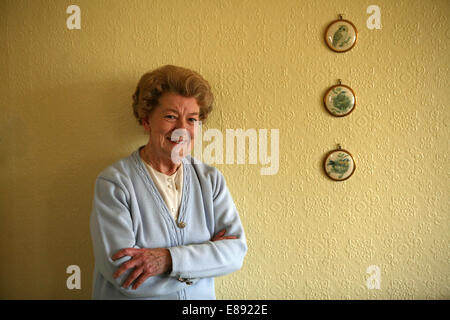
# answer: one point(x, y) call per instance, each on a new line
point(181, 123)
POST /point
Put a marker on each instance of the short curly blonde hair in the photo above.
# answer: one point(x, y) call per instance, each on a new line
point(169, 78)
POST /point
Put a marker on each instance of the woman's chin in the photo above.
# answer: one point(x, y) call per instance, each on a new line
point(178, 151)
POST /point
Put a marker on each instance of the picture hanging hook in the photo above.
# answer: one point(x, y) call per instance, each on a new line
point(339, 81)
point(340, 16)
point(339, 146)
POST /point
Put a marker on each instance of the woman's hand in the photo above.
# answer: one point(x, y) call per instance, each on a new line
point(221, 236)
point(146, 263)
point(149, 262)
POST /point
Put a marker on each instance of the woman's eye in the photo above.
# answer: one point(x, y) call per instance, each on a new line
point(170, 117)
point(193, 119)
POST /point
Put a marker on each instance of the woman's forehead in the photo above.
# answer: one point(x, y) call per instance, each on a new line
point(176, 103)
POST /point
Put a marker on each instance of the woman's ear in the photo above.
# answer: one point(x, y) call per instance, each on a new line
point(145, 124)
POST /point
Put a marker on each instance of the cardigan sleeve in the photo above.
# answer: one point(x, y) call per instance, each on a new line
point(214, 258)
point(112, 230)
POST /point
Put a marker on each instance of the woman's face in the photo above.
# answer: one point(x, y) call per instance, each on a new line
point(172, 124)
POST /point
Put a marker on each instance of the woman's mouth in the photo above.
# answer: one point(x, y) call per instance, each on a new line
point(177, 141)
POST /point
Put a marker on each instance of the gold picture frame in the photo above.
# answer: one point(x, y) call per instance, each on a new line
point(341, 35)
point(340, 100)
point(339, 164)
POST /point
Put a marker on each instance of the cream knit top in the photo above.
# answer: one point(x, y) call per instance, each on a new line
point(170, 187)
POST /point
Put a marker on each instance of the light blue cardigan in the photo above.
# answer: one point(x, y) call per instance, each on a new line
point(129, 212)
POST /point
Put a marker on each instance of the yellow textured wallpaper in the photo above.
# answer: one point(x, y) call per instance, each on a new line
point(66, 114)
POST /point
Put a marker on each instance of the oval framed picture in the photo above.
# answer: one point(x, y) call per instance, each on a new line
point(340, 100)
point(341, 35)
point(339, 165)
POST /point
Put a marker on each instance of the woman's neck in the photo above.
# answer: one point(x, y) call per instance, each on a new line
point(160, 164)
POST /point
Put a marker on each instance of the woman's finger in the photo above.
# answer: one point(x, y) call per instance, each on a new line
point(124, 267)
point(140, 280)
point(229, 237)
point(133, 276)
point(218, 235)
point(124, 252)
point(225, 238)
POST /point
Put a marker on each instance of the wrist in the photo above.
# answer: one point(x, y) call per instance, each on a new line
point(169, 261)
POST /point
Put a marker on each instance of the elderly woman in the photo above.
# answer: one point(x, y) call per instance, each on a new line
point(163, 224)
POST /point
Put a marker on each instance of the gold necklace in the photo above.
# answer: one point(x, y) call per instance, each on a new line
point(146, 159)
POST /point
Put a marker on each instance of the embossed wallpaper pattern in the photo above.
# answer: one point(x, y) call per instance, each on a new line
point(66, 114)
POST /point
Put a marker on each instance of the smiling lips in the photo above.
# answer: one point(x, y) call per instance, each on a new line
point(180, 140)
